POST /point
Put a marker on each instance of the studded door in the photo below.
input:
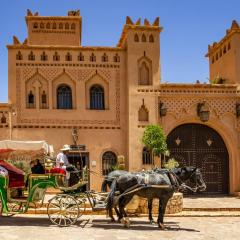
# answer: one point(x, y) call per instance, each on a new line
point(201, 146)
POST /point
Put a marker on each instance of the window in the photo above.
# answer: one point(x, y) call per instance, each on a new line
point(19, 56)
point(109, 160)
point(54, 26)
point(60, 26)
point(116, 58)
point(73, 26)
point(48, 25)
point(144, 38)
point(136, 38)
point(104, 57)
point(68, 57)
point(224, 50)
point(3, 119)
point(213, 59)
point(64, 97)
point(44, 57)
point(44, 100)
point(146, 156)
point(80, 57)
point(35, 25)
point(41, 25)
point(31, 100)
point(144, 78)
point(97, 97)
point(31, 56)
point(229, 46)
point(92, 58)
point(151, 39)
point(56, 57)
point(143, 113)
point(66, 26)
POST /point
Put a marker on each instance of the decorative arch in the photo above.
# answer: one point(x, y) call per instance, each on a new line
point(34, 88)
point(151, 38)
point(199, 145)
point(97, 80)
point(144, 39)
point(64, 80)
point(144, 71)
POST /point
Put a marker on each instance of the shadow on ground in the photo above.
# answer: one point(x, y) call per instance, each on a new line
point(95, 223)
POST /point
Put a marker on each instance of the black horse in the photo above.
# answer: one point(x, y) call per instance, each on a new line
point(158, 183)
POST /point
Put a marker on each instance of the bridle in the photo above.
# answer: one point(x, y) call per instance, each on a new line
point(182, 185)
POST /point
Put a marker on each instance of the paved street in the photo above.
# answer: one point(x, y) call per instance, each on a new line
point(38, 227)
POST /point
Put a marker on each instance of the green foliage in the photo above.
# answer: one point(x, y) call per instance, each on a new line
point(154, 139)
point(171, 163)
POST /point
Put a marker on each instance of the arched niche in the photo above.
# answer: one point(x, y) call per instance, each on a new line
point(144, 71)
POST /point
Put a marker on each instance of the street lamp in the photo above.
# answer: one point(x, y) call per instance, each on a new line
point(203, 111)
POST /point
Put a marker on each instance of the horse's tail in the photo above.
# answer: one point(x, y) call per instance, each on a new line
point(111, 194)
point(104, 185)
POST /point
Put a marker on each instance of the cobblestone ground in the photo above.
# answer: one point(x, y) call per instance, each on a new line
point(99, 228)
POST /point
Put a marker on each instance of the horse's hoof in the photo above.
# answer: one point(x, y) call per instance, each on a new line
point(119, 220)
point(113, 220)
point(125, 222)
point(161, 226)
point(152, 221)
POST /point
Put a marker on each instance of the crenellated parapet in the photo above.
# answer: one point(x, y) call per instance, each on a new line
point(146, 26)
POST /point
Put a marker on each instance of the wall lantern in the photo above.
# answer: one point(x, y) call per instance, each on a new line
point(238, 109)
point(162, 109)
point(203, 111)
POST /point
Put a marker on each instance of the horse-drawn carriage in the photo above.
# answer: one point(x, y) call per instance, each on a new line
point(65, 208)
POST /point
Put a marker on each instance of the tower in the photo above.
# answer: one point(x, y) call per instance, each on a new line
point(224, 57)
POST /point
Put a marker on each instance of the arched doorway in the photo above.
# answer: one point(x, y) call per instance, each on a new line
point(201, 146)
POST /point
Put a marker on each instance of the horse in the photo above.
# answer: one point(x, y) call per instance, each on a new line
point(150, 185)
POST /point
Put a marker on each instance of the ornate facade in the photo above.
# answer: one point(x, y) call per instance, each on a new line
point(107, 95)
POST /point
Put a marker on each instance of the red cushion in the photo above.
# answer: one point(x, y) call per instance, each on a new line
point(58, 171)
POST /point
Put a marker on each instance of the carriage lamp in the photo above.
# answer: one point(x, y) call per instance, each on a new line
point(162, 109)
point(203, 111)
point(238, 109)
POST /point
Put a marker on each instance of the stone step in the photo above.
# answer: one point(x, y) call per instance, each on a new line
point(213, 209)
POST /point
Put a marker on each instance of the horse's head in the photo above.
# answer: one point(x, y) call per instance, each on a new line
point(194, 175)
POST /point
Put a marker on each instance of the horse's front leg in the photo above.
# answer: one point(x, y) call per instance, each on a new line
point(161, 211)
point(150, 211)
point(110, 213)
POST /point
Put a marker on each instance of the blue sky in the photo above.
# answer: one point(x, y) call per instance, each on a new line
point(189, 26)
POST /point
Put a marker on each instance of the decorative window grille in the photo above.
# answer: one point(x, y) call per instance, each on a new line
point(146, 156)
point(109, 160)
point(97, 97)
point(64, 97)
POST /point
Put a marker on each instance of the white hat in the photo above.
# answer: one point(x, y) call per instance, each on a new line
point(66, 147)
point(61, 161)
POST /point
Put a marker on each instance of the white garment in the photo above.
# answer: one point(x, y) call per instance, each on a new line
point(3, 171)
point(61, 158)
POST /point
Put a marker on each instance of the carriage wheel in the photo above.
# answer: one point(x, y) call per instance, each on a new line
point(63, 210)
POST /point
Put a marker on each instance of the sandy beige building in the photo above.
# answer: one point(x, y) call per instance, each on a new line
point(103, 97)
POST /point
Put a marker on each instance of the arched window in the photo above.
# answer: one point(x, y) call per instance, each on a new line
point(144, 38)
point(3, 119)
point(97, 97)
point(73, 26)
point(54, 26)
point(60, 26)
point(136, 38)
point(143, 113)
point(146, 156)
point(151, 39)
point(19, 56)
point(44, 56)
point(44, 100)
point(41, 25)
point(116, 58)
point(109, 160)
point(31, 100)
point(56, 57)
point(104, 57)
point(68, 57)
point(48, 25)
point(67, 26)
point(35, 25)
point(64, 97)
